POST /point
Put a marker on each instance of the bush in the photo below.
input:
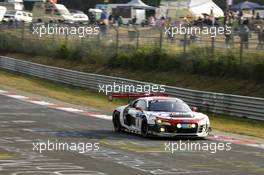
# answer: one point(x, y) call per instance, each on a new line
point(142, 60)
point(62, 52)
point(258, 71)
point(197, 60)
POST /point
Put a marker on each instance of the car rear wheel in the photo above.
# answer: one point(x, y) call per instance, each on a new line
point(116, 122)
point(144, 128)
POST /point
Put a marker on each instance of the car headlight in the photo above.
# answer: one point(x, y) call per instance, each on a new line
point(179, 125)
point(162, 129)
point(162, 122)
point(159, 121)
point(193, 125)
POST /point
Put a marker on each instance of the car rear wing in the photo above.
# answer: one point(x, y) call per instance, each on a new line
point(135, 96)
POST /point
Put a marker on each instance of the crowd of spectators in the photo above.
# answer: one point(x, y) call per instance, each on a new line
point(245, 26)
point(242, 25)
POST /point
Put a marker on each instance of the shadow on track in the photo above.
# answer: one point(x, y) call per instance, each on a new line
point(108, 134)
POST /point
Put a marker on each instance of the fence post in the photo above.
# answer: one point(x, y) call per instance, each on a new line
point(138, 33)
point(66, 39)
point(117, 39)
point(53, 38)
point(161, 40)
point(23, 35)
point(1, 39)
point(82, 48)
point(212, 45)
point(99, 37)
point(241, 51)
point(184, 43)
point(184, 50)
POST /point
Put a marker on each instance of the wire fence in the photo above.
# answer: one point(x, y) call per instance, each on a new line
point(114, 40)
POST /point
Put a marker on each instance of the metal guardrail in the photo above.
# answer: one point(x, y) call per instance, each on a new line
point(241, 106)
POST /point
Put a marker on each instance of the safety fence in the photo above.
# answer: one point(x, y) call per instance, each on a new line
point(234, 105)
point(127, 39)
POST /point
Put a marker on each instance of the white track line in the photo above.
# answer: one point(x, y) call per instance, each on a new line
point(42, 103)
point(3, 92)
point(69, 109)
point(23, 121)
point(105, 117)
point(18, 97)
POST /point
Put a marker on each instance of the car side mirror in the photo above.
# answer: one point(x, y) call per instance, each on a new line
point(194, 109)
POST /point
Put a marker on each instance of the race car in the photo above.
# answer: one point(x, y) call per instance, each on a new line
point(161, 116)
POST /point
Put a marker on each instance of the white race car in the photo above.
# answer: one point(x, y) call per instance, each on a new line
point(161, 116)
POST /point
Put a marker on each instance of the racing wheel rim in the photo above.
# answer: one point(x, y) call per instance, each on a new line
point(144, 128)
point(116, 123)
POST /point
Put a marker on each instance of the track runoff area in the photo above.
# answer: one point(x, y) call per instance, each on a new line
point(42, 137)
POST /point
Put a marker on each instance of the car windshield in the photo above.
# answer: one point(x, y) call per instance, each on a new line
point(168, 106)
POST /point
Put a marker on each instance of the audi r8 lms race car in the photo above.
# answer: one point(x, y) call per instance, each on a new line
point(161, 116)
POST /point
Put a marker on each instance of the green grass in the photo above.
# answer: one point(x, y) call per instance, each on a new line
point(85, 97)
point(237, 125)
point(222, 84)
point(57, 91)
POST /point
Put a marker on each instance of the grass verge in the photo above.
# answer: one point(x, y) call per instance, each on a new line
point(84, 97)
point(237, 125)
point(223, 84)
point(70, 94)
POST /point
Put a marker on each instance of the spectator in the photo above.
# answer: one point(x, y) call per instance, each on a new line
point(119, 20)
point(228, 39)
point(116, 18)
point(198, 22)
point(134, 20)
point(229, 18)
point(186, 22)
point(240, 17)
point(110, 18)
point(162, 21)
point(260, 32)
point(92, 18)
point(212, 16)
point(158, 23)
point(258, 16)
point(104, 18)
point(207, 21)
point(244, 34)
point(152, 21)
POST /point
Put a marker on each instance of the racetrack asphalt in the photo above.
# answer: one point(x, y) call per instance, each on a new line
point(23, 123)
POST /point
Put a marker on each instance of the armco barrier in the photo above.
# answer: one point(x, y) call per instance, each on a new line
point(234, 105)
